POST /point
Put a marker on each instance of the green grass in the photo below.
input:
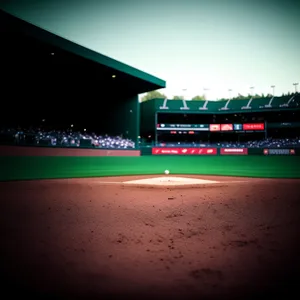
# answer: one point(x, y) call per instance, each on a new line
point(23, 168)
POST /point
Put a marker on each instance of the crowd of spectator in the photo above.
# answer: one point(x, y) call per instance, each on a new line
point(57, 138)
point(39, 137)
point(264, 143)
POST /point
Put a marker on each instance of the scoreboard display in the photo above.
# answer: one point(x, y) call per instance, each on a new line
point(238, 127)
point(194, 128)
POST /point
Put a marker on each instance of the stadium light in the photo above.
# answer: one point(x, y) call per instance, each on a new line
point(295, 84)
point(230, 90)
point(205, 89)
point(273, 87)
point(72, 125)
point(113, 76)
point(184, 93)
point(251, 88)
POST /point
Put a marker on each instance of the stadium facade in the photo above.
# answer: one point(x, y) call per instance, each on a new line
point(51, 78)
point(187, 122)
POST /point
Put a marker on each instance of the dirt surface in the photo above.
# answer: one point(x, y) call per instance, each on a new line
point(81, 239)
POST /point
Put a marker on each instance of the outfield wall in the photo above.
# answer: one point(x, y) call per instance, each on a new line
point(212, 151)
point(53, 151)
point(159, 151)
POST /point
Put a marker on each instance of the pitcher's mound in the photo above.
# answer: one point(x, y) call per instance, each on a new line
point(169, 181)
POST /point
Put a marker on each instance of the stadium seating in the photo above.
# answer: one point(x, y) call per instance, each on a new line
point(278, 101)
point(238, 104)
point(38, 137)
point(260, 103)
point(215, 105)
point(255, 104)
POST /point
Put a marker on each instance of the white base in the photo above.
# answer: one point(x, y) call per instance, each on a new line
point(170, 181)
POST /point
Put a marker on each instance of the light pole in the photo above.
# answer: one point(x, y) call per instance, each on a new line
point(273, 87)
point(295, 84)
point(205, 90)
point(251, 89)
point(229, 91)
point(184, 93)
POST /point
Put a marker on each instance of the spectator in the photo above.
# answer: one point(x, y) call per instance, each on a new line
point(59, 138)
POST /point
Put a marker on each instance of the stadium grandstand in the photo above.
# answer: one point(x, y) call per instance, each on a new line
point(58, 93)
point(244, 105)
point(252, 123)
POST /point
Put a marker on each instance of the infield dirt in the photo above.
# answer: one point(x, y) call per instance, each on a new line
point(83, 239)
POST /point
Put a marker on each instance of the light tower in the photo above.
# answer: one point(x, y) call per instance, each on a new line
point(295, 84)
point(273, 88)
point(205, 94)
point(184, 94)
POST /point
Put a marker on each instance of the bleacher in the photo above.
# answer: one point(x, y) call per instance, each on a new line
point(227, 106)
point(238, 104)
point(259, 103)
point(293, 101)
point(279, 101)
point(215, 105)
point(60, 138)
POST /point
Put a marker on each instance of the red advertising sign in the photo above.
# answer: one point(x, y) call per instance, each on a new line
point(226, 127)
point(214, 127)
point(184, 151)
point(234, 151)
point(254, 126)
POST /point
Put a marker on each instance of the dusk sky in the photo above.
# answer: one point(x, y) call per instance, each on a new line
point(192, 44)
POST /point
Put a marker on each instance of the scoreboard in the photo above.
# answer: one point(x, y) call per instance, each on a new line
point(194, 128)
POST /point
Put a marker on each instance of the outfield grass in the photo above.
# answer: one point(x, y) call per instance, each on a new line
point(23, 168)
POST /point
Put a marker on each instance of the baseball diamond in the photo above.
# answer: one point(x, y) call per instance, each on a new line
point(117, 199)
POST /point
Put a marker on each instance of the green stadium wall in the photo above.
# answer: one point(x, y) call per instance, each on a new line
point(249, 151)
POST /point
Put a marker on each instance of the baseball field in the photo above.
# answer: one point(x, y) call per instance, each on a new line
point(54, 167)
point(233, 235)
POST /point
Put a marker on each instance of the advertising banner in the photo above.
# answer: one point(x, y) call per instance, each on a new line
point(279, 151)
point(184, 151)
point(234, 151)
point(238, 126)
point(254, 126)
point(215, 127)
point(226, 127)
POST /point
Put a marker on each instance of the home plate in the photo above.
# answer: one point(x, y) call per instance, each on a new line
point(169, 181)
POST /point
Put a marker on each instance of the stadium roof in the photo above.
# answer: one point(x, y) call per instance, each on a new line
point(32, 39)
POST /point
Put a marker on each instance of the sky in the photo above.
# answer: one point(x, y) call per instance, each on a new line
point(196, 46)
